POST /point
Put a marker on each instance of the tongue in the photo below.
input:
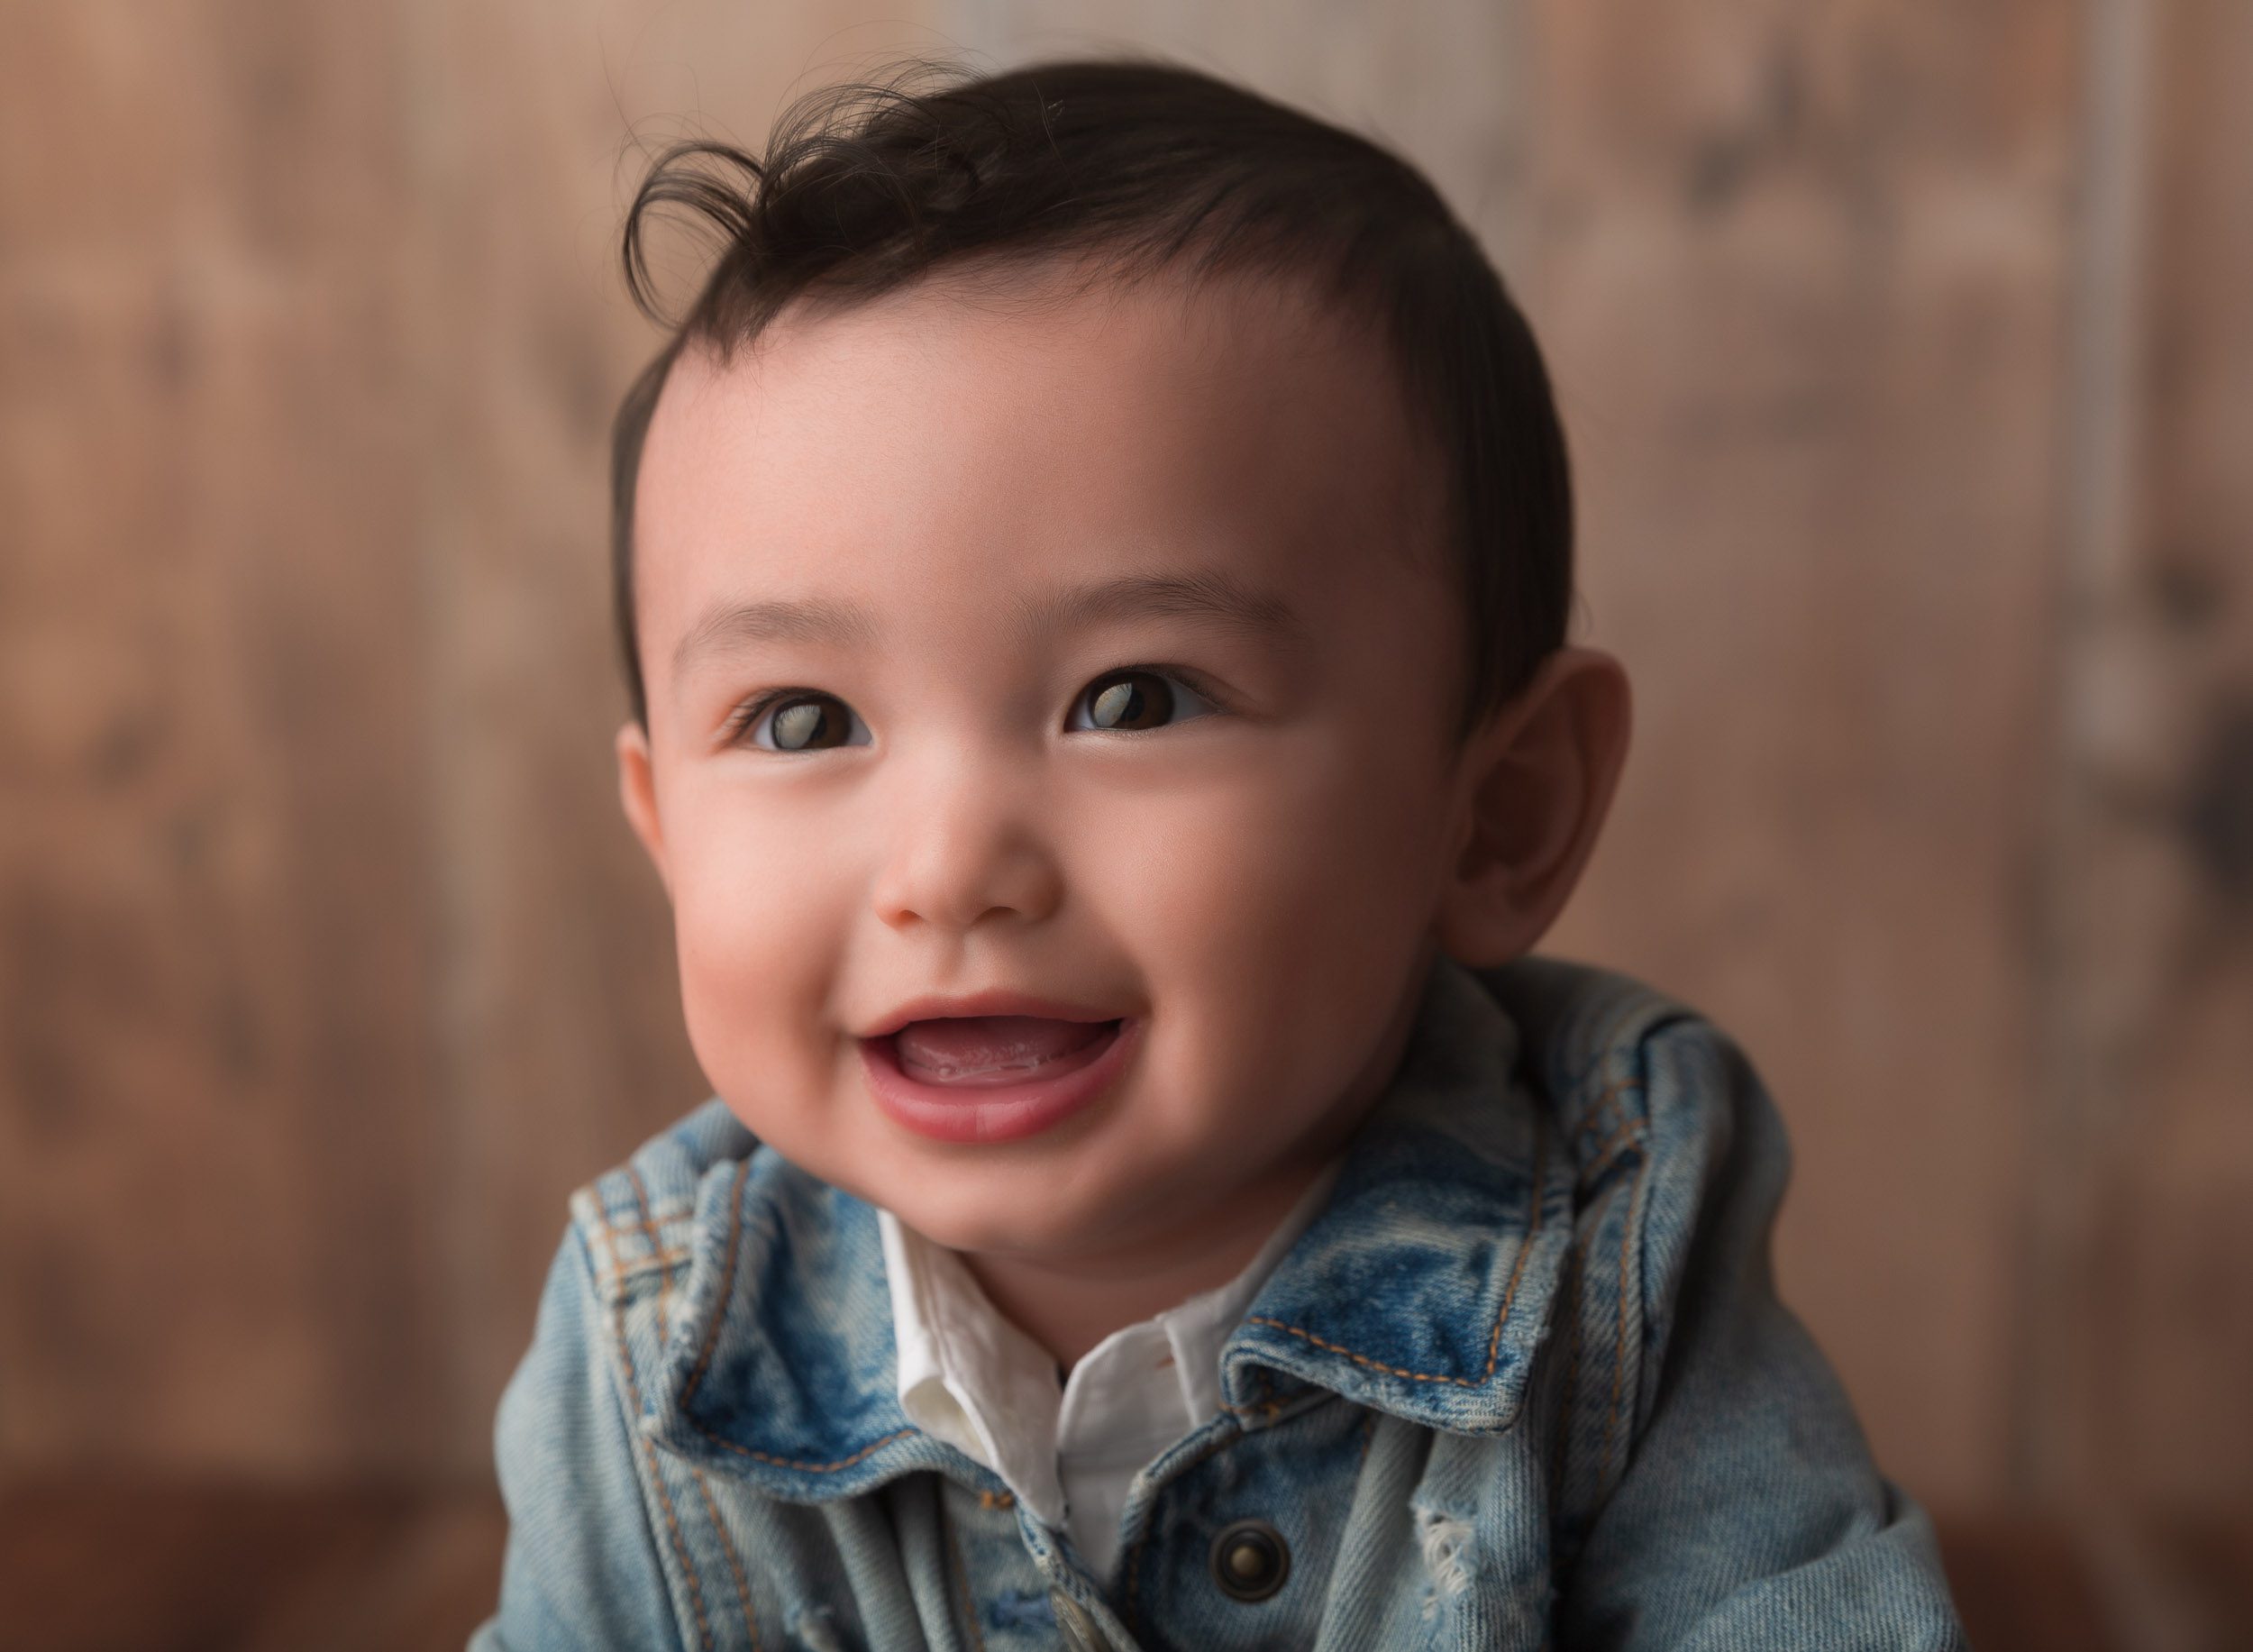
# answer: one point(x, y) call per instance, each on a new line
point(990, 1049)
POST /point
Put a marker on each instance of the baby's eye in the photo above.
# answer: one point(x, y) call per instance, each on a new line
point(1136, 698)
point(800, 723)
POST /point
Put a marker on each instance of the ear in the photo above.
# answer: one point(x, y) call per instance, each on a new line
point(637, 792)
point(1536, 783)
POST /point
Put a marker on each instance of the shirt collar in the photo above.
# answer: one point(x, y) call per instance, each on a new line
point(967, 1374)
point(1419, 1289)
point(971, 1378)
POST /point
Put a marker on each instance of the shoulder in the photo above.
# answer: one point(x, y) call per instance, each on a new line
point(626, 1244)
point(1677, 1160)
point(664, 1177)
point(618, 1287)
point(1638, 1085)
point(717, 1274)
point(1686, 1394)
point(655, 1233)
point(604, 1548)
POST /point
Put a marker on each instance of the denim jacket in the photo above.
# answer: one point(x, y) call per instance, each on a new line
point(1524, 1383)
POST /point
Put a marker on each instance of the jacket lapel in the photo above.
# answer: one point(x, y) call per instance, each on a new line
point(1425, 1287)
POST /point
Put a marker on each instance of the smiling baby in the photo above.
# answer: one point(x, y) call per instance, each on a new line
point(1092, 568)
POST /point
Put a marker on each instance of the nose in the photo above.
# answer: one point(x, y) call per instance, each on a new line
point(968, 845)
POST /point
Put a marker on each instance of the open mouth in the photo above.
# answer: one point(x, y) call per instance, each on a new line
point(984, 1052)
point(990, 1078)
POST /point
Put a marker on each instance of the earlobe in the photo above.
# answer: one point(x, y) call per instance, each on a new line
point(638, 794)
point(1537, 782)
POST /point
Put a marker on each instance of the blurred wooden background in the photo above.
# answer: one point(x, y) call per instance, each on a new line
point(1907, 352)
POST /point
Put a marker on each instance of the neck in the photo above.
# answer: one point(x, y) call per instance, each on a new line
point(1069, 1304)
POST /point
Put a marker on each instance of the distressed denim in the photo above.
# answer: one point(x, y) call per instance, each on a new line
point(1524, 1383)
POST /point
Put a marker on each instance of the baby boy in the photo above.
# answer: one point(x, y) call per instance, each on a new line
point(1092, 566)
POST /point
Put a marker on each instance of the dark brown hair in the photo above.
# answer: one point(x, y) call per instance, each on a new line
point(867, 185)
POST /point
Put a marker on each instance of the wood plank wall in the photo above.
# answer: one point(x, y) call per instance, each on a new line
point(1910, 374)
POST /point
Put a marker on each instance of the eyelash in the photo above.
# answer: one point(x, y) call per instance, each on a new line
point(746, 717)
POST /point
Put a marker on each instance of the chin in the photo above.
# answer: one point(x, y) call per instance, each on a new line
point(987, 1221)
point(981, 1228)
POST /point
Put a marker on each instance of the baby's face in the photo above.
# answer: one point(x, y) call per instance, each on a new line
point(1114, 638)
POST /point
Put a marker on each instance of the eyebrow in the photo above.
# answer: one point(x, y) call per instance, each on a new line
point(745, 624)
point(1210, 597)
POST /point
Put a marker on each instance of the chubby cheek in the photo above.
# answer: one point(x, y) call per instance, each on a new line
point(757, 934)
point(1279, 925)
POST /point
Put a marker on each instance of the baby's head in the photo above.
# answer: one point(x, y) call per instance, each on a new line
point(1098, 550)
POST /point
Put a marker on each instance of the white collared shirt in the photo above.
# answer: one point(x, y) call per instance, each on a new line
point(971, 1378)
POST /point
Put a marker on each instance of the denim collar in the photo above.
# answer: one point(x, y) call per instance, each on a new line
point(1422, 1289)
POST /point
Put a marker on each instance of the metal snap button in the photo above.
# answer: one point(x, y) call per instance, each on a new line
point(1080, 1635)
point(1250, 1560)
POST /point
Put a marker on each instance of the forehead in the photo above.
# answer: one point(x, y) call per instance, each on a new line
point(993, 431)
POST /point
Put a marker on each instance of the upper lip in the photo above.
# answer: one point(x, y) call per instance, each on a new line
point(998, 1002)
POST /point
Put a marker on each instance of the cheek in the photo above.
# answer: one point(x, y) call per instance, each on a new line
point(1277, 915)
point(756, 934)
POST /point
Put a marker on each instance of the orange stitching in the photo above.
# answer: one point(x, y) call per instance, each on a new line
point(1363, 1359)
point(664, 1277)
point(811, 1468)
point(687, 1213)
point(1525, 1249)
point(644, 1264)
point(727, 1551)
point(1614, 1144)
point(615, 1269)
point(1597, 1109)
point(1268, 1406)
point(1610, 1091)
point(961, 1575)
point(602, 1232)
point(1619, 1346)
point(727, 1281)
point(656, 1470)
point(1605, 1044)
point(1270, 1410)
point(680, 1549)
point(1501, 1317)
point(997, 1499)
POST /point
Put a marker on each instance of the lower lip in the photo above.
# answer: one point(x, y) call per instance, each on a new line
point(993, 1112)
